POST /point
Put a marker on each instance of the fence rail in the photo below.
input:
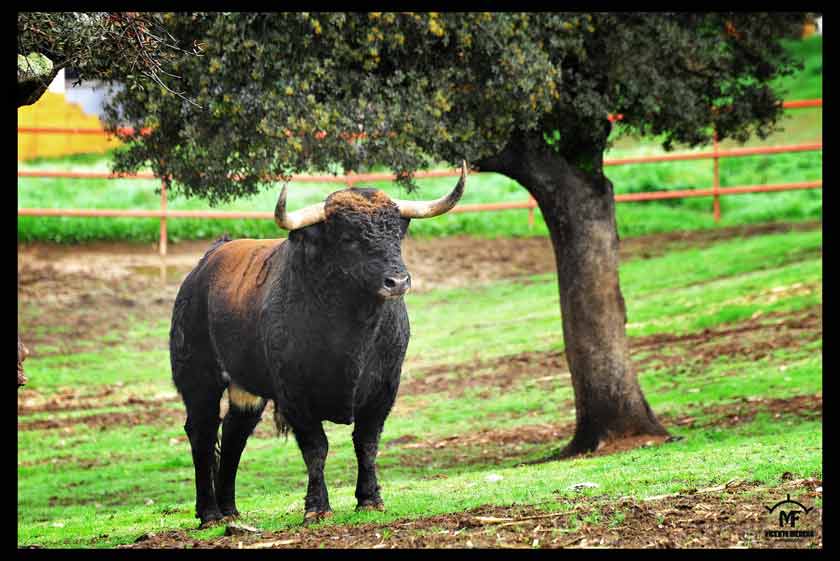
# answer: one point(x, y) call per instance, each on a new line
point(350, 179)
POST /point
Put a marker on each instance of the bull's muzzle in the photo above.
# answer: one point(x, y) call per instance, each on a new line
point(395, 286)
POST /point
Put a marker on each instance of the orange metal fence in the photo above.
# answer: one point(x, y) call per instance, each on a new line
point(350, 179)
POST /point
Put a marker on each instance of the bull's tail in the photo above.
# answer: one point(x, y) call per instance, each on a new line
point(280, 422)
point(217, 459)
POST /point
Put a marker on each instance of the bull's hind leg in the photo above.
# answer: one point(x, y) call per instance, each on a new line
point(241, 419)
point(202, 428)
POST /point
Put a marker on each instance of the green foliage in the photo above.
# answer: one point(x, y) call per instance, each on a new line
point(122, 46)
point(284, 93)
point(806, 84)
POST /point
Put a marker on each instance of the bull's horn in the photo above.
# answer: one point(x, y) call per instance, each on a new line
point(428, 209)
point(306, 216)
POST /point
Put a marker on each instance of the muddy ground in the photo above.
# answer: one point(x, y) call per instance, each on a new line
point(730, 515)
point(95, 289)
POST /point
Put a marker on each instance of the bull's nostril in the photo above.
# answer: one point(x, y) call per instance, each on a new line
point(397, 285)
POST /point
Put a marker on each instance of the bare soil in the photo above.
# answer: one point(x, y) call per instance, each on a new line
point(731, 515)
point(488, 446)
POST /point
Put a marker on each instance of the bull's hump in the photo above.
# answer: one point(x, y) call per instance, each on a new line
point(240, 269)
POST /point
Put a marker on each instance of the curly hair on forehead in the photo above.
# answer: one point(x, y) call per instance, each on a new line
point(368, 201)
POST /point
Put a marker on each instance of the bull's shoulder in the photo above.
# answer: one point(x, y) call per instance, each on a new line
point(239, 269)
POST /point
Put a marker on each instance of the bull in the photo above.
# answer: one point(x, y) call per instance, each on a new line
point(316, 323)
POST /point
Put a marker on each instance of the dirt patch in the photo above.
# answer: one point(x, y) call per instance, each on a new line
point(146, 415)
point(139, 410)
point(745, 410)
point(153, 411)
point(495, 446)
point(484, 446)
point(729, 515)
point(753, 339)
point(544, 369)
point(73, 399)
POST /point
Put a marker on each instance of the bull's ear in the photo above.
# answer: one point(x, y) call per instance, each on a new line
point(311, 237)
point(404, 222)
point(310, 234)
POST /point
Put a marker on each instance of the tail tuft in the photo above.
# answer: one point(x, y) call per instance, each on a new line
point(280, 422)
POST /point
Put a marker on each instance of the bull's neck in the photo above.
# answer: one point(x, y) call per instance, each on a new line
point(331, 301)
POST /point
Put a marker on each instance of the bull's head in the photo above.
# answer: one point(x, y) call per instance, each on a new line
point(354, 236)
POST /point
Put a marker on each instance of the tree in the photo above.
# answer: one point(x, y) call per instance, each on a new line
point(98, 45)
point(124, 46)
point(526, 95)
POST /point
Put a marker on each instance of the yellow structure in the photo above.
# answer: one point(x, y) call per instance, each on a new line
point(54, 111)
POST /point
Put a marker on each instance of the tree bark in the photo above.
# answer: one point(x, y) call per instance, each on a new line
point(34, 75)
point(579, 209)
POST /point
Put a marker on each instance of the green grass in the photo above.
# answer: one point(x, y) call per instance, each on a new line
point(804, 125)
point(806, 84)
point(99, 488)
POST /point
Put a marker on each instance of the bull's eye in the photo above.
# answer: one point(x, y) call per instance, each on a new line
point(348, 241)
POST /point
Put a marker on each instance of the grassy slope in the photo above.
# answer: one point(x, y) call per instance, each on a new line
point(633, 218)
point(62, 501)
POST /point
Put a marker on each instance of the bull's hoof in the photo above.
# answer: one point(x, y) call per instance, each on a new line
point(313, 517)
point(230, 512)
point(231, 517)
point(210, 522)
point(370, 506)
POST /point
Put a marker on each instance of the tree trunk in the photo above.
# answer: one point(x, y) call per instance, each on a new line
point(579, 210)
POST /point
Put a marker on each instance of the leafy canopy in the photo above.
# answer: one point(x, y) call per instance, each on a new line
point(283, 93)
point(120, 46)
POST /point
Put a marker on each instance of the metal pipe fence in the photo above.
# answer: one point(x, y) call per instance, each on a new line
point(350, 179)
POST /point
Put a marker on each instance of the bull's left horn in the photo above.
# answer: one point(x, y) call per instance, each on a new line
point(306, 216)
point(428, 209)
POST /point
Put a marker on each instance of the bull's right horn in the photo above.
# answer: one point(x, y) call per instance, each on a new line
point(306, 216)
point(428, 209)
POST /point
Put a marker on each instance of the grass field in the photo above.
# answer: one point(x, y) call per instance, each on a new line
point(726, 338)
point(803, 125)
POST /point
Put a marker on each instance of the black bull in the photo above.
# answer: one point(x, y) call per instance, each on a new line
point(315, 323)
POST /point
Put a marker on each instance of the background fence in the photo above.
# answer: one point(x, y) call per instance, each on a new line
point(350, 179)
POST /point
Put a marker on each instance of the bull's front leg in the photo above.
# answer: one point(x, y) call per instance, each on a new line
point(314, 446)
point(366, 435)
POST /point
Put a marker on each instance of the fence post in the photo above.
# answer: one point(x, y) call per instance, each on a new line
point(163, 217)
point(716, 180)
point(531, 204)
